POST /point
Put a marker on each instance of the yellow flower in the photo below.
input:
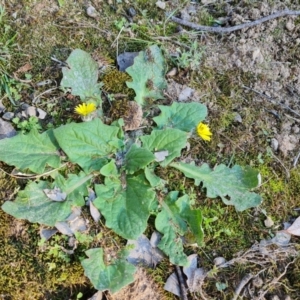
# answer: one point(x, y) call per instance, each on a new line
point(85, 109)
point(204, 131)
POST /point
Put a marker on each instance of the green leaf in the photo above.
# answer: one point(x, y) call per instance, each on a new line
point(225, 182)
point(126, 209)
point(32, 151)
point(81, 75)
point(88, 143)
point(75, 186)
point(148, 75)
point(113, 277)
point(183, 116)
point(137, 158)
point(171, 140)
point(173, 222)
point(33, 205)
point(154, 180)
point(109, 169)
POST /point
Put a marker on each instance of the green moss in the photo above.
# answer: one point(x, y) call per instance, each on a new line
point(29, 273)
point(114, 81)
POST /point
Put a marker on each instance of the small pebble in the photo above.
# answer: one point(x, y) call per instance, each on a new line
point(268, 222)
point(274, 144)
point(91, 12)
point(172, 72)
point(238, 118)
point(131, 12)
point(24, 106)
point(274, 297)
point(219, 261)
point(41, 114)
point(185, 94)
point(161, 4)
point(296, 129)
point(257, 282)
point(8, 116)
point(290, 25)
point(2, 107)
point(6, 129)
point(30, 111)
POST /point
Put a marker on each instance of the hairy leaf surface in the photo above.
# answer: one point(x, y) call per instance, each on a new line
point(126, 208)
point(33, 204)
point(137, 158)
point(174, 220)
point(183, 116)
point(148, 75)
point(88, 143)
point(225, 182)
point(81, 75)
point(113, 277)
point(33, 151)
point(172, 140)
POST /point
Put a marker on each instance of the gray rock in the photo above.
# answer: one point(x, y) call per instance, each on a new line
point(257, 282)
point(131, 12)
point(274, 144)
point(185, 94)
point(2, 107)
point(30, 111)
point(238, 118)
point(8, 116)
point(6, 129)
point(41, 114)
point(126, 60)
point(219, 261)
point(24, 106)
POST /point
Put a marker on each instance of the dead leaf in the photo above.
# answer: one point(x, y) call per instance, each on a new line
point(24, 68)
point(126, 60)
point(268, 222)
point(172, 285)
point(294, 229)
point(143, 253)
point(161, 155)
point(194, 275)
point(55, 194)
point(94, 212)
point(133, 116)
point(63, 227)
point(47, 233)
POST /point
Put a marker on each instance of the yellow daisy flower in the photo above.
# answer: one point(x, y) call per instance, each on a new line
point(204, 131)
point(85, 109)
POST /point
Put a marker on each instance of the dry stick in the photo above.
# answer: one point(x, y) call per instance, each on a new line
point(271, 99)
point(296, 160)
point(237, 27)
point(244, 282)
point(181, 283)
point(275, 281)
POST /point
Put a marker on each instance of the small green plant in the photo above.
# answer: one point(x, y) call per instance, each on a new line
point(130, 191)
point(189, 58)
point(27, 125)
point(11, 88)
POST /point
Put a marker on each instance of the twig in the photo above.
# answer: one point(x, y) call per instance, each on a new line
point(296, 160)
point(285, 168)
point(29, 176)
point(237, 27)
point(245, 280)
point(183, 291)
point(271, 100)
point(43, 93)
point(275, 280)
